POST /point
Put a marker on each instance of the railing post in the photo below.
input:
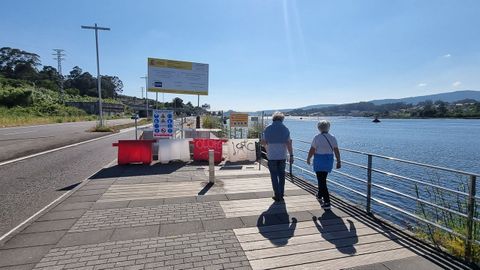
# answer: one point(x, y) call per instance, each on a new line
point(471, 212)
point(369, 184)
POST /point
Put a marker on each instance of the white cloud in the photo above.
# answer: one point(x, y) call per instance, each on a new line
point(456, 84)
point(421, 84)
point(447, 55)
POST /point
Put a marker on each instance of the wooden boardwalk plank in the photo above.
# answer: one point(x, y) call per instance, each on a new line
point(351, 243)
point(280, 227)
point(312, 232)
point(324, 255)
point(354, 261)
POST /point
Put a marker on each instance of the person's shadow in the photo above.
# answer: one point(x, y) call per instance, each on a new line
point(335, 231)
point(283, 230)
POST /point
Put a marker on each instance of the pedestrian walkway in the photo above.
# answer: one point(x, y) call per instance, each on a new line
point(170, 217)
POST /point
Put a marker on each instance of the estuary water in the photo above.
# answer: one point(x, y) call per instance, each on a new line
point(452, 143)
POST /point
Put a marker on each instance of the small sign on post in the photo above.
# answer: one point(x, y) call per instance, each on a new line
point(163, 123)
point(135, 116)
point(238, 120)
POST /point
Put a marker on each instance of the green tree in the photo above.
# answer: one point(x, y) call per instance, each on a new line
point(10, 58)
point(177, 103)
point(25, 71)
point(112, 86)
point(442, 109)
point(75, 73)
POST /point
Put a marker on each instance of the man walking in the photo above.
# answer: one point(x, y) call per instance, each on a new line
point(276, 139)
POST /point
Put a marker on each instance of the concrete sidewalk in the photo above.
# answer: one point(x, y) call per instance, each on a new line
point(169, 217)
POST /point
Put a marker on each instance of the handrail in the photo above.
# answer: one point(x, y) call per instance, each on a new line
point(419, 218)
point(471, 195)
point(418, 181)
point(419, 200)
point(351, 177)
point(404, 161)
point(400, 177)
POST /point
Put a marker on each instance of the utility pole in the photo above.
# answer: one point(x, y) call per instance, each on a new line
point(146, 92)
point(59, 57)
point(197, 119)
point(141, 89)
point(99, 79)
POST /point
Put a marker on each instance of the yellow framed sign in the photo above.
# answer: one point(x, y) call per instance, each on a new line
point(171, 76)
point(238, 120)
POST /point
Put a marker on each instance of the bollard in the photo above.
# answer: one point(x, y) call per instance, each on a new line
point(136, 129)
point(211, 166)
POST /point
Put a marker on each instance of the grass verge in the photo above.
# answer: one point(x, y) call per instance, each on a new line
point(117, 128)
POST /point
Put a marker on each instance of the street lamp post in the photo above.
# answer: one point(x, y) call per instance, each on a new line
point(99, 82)
point(146, 91)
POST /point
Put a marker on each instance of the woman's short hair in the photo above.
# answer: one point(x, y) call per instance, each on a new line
point(323, 126)
point(278, 116)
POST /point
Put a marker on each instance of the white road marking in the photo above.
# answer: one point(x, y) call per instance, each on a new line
point(67, 123)
point(68, 146)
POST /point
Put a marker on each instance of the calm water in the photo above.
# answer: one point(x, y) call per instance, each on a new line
point(453, 143)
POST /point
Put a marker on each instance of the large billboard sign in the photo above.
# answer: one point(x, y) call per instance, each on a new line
point(170, 76)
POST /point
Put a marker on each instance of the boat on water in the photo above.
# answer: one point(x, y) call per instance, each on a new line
point(376, 120)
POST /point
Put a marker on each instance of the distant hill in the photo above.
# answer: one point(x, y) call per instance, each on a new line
point(258, 113)
point(318, 106)
point(270, 112)
point(446, 97)
point(459, 104)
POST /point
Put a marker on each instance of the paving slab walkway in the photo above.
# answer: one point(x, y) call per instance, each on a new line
point(170, 217)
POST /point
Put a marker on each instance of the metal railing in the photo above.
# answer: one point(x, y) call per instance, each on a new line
point(470, 196)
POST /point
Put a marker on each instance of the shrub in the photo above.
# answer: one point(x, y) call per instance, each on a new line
point(72, 91)
point(209, 121)
point(11, 97)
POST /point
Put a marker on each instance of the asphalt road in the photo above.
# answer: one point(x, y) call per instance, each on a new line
point(21, 141)
point(29, 185)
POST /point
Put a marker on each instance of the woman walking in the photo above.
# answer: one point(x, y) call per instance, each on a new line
point(324, 146)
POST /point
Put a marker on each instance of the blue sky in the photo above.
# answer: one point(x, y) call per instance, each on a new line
point(265, 54)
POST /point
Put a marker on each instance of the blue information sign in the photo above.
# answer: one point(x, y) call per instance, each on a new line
point(163, 123)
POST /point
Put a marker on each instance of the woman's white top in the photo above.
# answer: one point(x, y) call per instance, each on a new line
point(321, 145)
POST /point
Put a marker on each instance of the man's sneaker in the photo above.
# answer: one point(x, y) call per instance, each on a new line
point(326, 206)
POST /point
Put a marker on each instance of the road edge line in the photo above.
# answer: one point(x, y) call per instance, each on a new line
point(7, 236)
point(68, 146)
point(64, 123)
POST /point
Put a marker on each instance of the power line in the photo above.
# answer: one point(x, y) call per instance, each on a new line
point(59, 56)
